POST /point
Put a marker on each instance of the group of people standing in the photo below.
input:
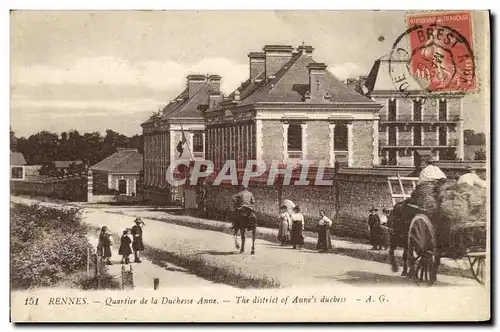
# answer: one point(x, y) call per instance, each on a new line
point(130, 243)
point(291, 226)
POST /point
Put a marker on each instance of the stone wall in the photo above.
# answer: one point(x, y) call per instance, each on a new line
point(429, 110)
point(272, 141)
point(311, 199)
point(454, 105)
point(72, 189)
point(347, 202)
point(356, 195)
point(404, 135)
point(362, 133)
point(430, 136)
point(453, 134)
point(404, 107)
point(318, 136)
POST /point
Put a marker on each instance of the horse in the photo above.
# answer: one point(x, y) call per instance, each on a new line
point(244, 220)
point(398, 222)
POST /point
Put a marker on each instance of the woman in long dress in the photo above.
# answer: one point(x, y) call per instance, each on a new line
point(284, 226)
point(297, 228)
point(104, 245)
point(323, 227)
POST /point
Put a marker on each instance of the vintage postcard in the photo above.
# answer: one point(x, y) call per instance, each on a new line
point(250, 166)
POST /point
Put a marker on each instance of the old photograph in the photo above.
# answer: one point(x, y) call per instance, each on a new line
point(249, 166)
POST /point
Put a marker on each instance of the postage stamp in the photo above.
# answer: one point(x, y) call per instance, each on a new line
point(439, 49)
point(200, 166)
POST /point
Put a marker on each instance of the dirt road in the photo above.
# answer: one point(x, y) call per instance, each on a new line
point(291, 268)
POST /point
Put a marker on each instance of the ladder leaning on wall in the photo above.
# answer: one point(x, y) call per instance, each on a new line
point(400, 179)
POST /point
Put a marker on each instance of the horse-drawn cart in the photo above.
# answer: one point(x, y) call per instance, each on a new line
point(429, 240)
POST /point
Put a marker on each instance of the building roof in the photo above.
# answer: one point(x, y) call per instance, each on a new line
point(66, 163)
point(184, 107)
point(17, 159)
point(379, 78)
point(190, 108)
point(291, 83)
point(122, 161)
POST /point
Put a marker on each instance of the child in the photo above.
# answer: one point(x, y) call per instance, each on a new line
point(126, 246)
point(324, 239)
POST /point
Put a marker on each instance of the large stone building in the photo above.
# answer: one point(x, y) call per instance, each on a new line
point(163, 132)
point(292, 108)
point(414, 122)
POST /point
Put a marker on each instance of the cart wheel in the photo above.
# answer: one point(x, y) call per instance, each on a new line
point(422, 251)
point(478, 267)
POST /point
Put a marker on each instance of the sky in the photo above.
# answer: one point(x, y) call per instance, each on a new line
point(93, 71)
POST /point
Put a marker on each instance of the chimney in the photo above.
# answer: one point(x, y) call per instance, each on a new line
point(194, 83)
point(276, 57)
point(317, 73)
point(307, 49)
point(214, 81)
point(257, 63)
point(214, 98)
point(236, 95)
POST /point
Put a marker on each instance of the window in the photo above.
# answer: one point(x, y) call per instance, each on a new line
point(340, 137)
point(443, 136)
point(417, 135)
point(294, 137)
point(443, 108)
point(392, 136)
point(405, 153)
point(17, 172)
point(393, 159)
point(392, 110)
point(198, 142)
point(417, 110)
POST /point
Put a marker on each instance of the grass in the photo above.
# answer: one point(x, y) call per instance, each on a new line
point(84, 282)
point(203, 268)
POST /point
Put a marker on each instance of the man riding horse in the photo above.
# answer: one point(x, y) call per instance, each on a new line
point(244, 217)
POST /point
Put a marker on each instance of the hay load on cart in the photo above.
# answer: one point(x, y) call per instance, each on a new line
point(452, 208)
point(443, 218)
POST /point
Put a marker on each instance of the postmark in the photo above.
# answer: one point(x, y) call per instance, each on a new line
point(434, 55)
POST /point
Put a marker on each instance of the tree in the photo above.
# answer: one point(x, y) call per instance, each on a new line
point(40, 148)
point(92, 153)
point(473, 138)
point(480, 155)
point(449, 154)
point(48, 169)
point(13, 141)
point(136, 142)
point(45, 147)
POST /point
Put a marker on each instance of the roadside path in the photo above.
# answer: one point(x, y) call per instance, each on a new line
point(291, 268)
point(170, 276)
point(347, 247)
point(287, 266)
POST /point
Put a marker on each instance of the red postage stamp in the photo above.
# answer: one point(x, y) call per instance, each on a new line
point(442, 53)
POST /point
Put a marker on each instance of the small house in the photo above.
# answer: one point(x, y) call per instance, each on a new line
point(118, 174)
point(17, 166)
